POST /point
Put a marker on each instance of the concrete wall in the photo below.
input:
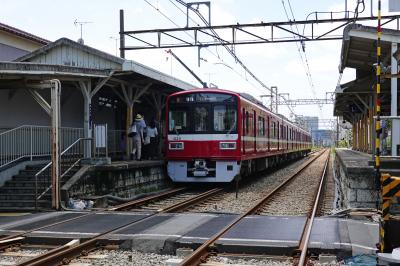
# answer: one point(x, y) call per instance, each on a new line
point(21, 109)
point(18, 42)
point(124, 183)
point(9, 53)
point(356, 184)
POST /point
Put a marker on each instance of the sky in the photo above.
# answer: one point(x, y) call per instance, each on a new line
point(277, 64)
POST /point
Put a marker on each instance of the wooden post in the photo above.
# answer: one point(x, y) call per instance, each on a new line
point(129, 119)
point(55, 143)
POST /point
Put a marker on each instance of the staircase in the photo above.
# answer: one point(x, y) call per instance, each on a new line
point(30, 142)
point(18, 194)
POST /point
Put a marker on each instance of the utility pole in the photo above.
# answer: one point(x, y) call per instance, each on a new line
point(81, 23)
point(337, 132)
point(121, 34)
point(116, 44)
point(274, 88)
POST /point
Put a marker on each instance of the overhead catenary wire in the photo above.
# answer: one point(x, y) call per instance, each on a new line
point(227, 48)
point(233, 54)
point(304, 59)
point(211, 52)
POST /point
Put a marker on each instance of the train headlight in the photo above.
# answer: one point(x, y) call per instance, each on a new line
point(176, 145)
point(227, 145)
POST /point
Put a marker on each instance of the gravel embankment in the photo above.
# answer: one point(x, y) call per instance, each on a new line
point(125, 258)
point(253, 261)
point(297, 196)
point(251, 193)
point(135, 258)
point(15, 256)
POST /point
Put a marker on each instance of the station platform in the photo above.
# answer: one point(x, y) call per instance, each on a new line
point(355, 162)
point(361, 163)
point(164, 233)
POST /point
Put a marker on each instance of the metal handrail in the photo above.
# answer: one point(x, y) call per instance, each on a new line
point(29, 141)
point(46, 167)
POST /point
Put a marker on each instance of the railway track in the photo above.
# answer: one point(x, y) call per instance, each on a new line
point(64, 254)
point(174, 200)
point(201, 254)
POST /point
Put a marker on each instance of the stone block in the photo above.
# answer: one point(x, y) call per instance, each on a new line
point(361, 182)
point(183, 252)
point(327, 258)
point(352, 195)
point(365, 195)
point(371, 205)
point(173, 262)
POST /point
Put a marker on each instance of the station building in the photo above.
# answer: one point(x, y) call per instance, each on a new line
point(355, 104)
point(99, 97)
point(355, 100)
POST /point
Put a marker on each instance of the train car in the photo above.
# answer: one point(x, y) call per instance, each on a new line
point(216, 135)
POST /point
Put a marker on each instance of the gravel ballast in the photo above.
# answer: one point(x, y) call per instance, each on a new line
point(251, 193)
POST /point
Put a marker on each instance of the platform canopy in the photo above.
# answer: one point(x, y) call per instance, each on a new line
point(123, 86)
point(359, 52)
point(65, 59)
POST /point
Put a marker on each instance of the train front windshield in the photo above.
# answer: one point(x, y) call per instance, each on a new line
point(198, 113)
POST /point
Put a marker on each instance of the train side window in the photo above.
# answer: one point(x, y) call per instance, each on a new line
point(244, 121)
point(247, 122)
point(263, 126)
point(278, 131)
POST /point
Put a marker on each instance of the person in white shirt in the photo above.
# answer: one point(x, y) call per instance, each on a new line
point(152, 133)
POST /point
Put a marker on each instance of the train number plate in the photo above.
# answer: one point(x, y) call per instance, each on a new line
point(199, 173)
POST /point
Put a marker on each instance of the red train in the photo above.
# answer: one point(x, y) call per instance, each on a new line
point(214, 135)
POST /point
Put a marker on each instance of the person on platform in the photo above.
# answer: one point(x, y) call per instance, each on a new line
point(152, 133)
point(139, 125)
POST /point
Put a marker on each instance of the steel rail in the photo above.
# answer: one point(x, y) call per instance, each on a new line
point(192, 201)
point(310, 220)
point(145, 200)
point(7, 240)
point(201, 253)
point(66, 254)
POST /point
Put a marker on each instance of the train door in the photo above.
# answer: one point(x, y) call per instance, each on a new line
point(255, 130)
point(277, 137)
point(268, 134)
point(287, 137)
point(243, 131)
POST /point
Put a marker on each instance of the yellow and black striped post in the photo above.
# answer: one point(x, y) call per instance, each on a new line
point(378, 121)
point(390, 189)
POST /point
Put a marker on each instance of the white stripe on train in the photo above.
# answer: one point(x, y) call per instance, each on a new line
point(226, 137)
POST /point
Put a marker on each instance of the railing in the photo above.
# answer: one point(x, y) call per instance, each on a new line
point(116, 141)
point(28, 142)
point(69, 159)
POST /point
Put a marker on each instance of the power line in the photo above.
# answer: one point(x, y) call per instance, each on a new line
point(217, 56)
point(304, 60)
point(231, 52)
point(215, 34)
